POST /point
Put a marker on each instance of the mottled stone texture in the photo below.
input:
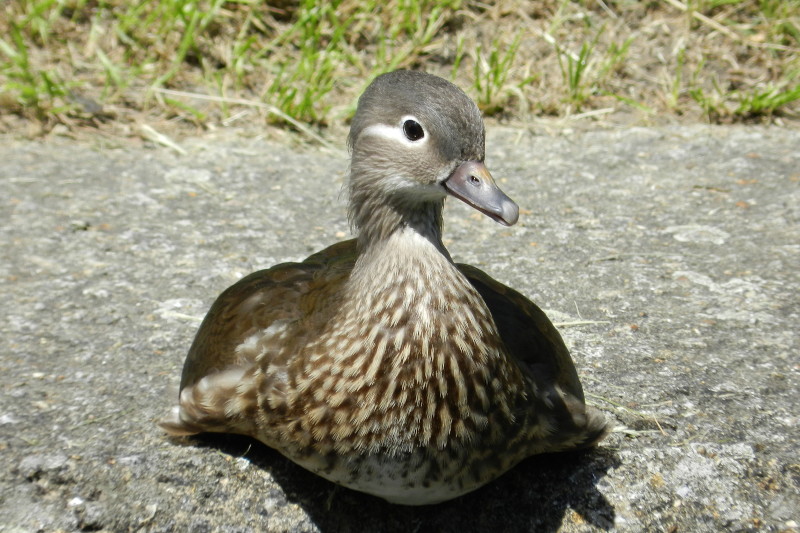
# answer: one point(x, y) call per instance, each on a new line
point(671, 257)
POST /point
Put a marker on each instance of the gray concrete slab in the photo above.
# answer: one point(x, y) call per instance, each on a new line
point(670, 256)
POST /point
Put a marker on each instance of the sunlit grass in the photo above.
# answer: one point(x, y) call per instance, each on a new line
point(718, 60)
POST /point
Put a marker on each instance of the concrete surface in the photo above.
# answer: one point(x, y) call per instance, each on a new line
point(671, 256)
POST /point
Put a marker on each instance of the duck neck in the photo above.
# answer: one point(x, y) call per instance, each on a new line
point(378, 219)
point(407, 263)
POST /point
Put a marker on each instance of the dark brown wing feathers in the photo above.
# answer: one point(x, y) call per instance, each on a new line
point(288, 291)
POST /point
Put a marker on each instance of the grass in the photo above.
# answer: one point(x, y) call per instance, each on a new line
point(491, 72)
point(109, 63)
point(574, 71)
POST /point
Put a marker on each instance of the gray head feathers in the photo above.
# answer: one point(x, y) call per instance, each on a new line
point(450, 116)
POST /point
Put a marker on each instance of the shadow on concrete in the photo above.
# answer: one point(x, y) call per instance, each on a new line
point(539, 494)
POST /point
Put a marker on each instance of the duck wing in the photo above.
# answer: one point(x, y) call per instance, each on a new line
point(283, 293)
point(217, 388)
point(530, 337)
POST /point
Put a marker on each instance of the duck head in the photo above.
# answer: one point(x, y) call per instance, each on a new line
point(416, 139)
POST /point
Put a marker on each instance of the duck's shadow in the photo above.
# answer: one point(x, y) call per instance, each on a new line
point(540, 494)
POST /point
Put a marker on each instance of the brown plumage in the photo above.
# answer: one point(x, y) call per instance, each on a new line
point(378, 363)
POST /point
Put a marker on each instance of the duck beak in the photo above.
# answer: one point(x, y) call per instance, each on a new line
point(472, 183)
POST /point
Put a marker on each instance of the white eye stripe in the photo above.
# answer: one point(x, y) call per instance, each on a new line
point(394, 133)
point(384, 131)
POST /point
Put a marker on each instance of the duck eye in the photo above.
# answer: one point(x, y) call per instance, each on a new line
point(413, 130)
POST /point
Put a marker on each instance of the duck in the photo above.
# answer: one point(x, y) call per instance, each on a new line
point(379, 363)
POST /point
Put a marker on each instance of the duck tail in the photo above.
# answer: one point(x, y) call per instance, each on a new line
point(216, 403)
point(595, 429)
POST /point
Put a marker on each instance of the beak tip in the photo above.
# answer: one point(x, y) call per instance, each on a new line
point(510, 214)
